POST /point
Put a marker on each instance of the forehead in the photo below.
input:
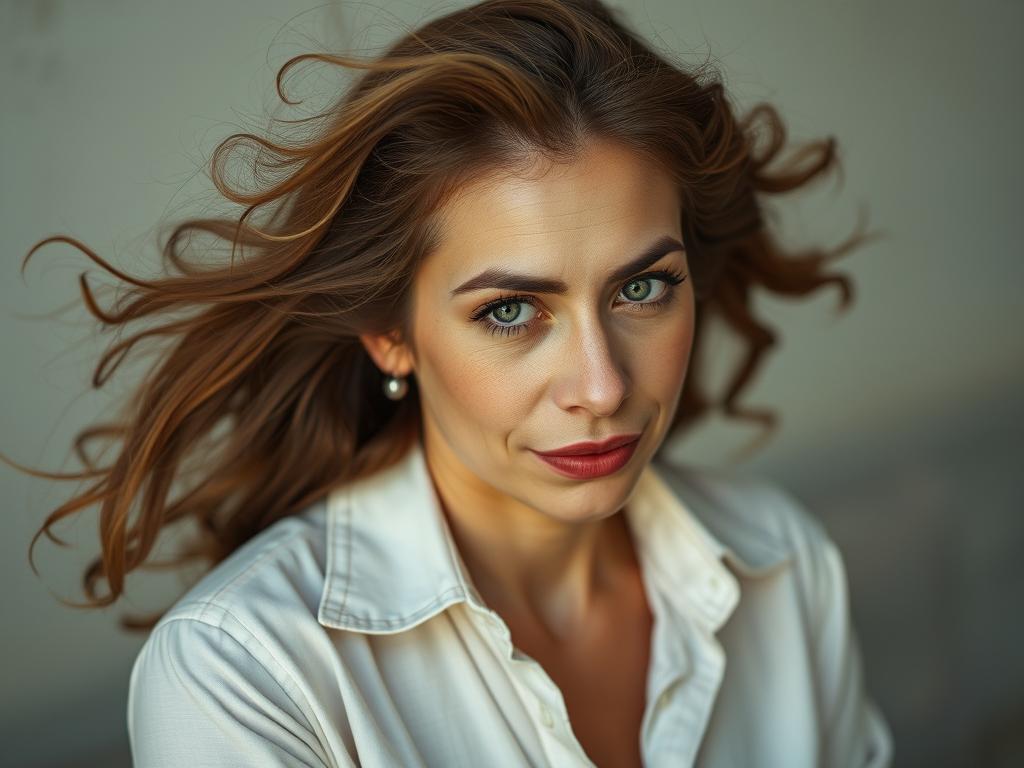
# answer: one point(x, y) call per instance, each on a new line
point(611, 198)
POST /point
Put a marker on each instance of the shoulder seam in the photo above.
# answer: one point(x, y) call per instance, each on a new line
point(238, 579)
point(291, 691)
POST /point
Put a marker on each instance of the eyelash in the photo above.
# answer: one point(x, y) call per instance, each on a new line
point(672, 277)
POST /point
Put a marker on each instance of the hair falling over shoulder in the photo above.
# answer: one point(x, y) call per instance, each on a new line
point(262, 398)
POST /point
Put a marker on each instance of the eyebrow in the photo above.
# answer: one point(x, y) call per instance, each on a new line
point(500, 277)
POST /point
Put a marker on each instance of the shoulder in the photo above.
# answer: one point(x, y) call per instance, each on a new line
point(276, 576)
point(761, 521)
point(763, 527)
point(229, 624)
point(223, 661)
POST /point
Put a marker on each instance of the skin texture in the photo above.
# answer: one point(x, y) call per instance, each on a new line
point(549, 553)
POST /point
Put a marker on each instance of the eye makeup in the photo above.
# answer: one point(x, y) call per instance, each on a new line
point(671, 277)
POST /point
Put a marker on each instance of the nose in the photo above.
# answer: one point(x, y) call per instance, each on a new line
point(591, 373)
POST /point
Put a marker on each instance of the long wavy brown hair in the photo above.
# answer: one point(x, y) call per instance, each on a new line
point(262, 398)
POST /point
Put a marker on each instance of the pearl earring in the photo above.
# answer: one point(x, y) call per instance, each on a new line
point(395, 387)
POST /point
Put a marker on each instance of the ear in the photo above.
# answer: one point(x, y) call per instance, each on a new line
point(388, 352)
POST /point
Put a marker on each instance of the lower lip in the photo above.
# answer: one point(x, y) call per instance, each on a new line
point(590, 465)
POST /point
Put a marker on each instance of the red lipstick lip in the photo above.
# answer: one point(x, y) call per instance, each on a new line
point(590, 447)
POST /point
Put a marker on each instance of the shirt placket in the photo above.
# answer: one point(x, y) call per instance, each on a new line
point(687, 693)
point(559, 741)
point(542, 696)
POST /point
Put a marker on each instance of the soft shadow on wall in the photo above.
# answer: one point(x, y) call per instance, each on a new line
point(929, 519)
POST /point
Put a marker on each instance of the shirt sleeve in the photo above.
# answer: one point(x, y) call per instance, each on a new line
point(199, 697)
point(856, 734)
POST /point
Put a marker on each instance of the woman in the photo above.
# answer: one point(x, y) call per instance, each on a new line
point(419, 418)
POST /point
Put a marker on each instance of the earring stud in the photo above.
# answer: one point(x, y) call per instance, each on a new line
point(395, 387)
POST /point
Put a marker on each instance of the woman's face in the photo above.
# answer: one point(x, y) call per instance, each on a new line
point(600, 351)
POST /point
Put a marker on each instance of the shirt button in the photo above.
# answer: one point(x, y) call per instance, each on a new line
point(714, 585)
point(545, 716)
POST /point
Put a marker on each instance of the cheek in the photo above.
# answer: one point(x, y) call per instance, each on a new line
point(664, 373)
point(476, 385)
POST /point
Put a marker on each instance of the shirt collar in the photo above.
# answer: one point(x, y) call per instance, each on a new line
point(392, 562)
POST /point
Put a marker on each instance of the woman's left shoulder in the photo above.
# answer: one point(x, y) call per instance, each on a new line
point(755, 516)
point(765, 523)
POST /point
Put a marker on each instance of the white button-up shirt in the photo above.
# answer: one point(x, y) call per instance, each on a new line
point(352, 634)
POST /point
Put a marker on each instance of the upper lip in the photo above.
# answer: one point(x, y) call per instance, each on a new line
point(577, 449)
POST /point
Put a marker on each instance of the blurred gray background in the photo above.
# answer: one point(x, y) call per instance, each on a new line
point(901, 419)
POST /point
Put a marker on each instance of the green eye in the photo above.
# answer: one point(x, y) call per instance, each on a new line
point(507, 309)
point(508, 316)
point(641, 282)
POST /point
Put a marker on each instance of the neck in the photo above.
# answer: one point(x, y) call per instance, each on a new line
point(528, 564)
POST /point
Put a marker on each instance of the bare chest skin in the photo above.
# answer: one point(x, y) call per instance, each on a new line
point(602, 676)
